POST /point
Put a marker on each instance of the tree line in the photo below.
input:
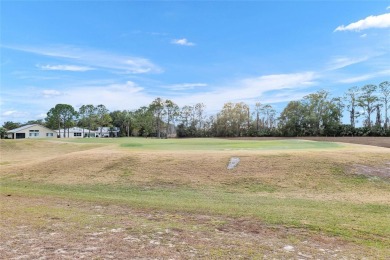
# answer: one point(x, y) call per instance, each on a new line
point(316, 114)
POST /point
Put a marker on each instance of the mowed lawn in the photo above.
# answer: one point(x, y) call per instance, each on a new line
point(175, 198)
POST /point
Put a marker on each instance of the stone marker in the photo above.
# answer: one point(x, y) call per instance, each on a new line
point(233, 163)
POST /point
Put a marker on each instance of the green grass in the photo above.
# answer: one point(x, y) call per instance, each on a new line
point(209, 144)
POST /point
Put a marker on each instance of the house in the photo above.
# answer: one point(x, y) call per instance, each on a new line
point(76, 132)
point(108, 131)
point(31, 131)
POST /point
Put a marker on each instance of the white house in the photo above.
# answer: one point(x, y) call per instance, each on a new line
point(76, 132)
point(108, 131)
point(31, 131)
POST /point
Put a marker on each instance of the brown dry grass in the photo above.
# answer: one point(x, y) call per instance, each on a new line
point(57, 228)
point(309, 174)
point(17, 152)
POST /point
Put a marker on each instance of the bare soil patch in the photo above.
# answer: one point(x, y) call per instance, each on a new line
point(381, 171)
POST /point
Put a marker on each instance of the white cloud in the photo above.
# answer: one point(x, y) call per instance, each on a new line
point(9, 112)
point(41, 116)
point(48, 93)
point(388, 8)
point(185, 86)
point(183, 42)
point(363, 35)
point(365, 77)
point(127, 95)
point(250, 89)
point(13, 114)
point(379, 21)
point(94, 58)
point(341, 62)
point(65, 67)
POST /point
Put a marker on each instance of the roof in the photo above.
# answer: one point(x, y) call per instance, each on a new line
point(26, 127)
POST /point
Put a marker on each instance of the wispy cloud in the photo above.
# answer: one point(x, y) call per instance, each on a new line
point(379, 21)
point(185, 86)
point(340, 62)
point(129, 95)
point(183, 42)
point(13, 114)
point(253, 88)
point(48, 93)
point(65, 67)
point(363, 35)
point(91, 58)
point(121, 95)
point(365, 77)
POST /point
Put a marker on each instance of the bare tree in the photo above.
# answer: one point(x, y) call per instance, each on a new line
point(384, 88)
point(351, 97)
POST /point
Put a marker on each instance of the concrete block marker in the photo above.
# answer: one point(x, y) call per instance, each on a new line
point(233, 163)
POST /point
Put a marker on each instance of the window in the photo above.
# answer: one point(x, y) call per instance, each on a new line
point(49, 134)
point(76, 134)
point(34, 133)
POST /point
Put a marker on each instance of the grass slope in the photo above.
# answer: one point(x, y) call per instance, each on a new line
point(299, 193)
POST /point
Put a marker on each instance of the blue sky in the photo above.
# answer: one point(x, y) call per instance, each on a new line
point(124, 54)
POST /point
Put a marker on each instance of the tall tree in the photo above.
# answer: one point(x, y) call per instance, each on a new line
point(61, 114)
point(366, 101)
point(172, 111)
point(157, 107)
point(314, 109)
point(123, 120)
point(232, 119)
point(291, 120)
point(185, 115)
point(53, 120)
point(3, 132)
point(258, 109)
point(384, 88)
point(378, 121)
point(199, 112)
point(143, 121)
point(351, 96)
point(269, 116)
point(9, 125)
point(103, 117)
point(338, 101)
point(88, 117)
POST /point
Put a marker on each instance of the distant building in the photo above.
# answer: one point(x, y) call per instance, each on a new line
point(108, 131)
point(31, 131)
point(76, 132)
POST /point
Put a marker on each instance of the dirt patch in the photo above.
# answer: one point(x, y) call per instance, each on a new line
point(382, 171)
